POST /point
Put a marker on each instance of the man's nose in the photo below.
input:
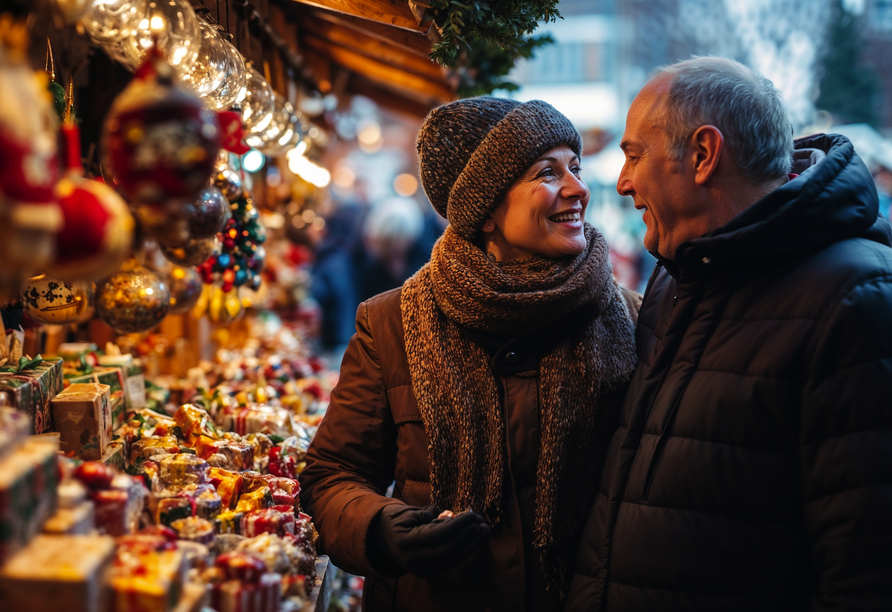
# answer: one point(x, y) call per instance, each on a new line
point(624, 184)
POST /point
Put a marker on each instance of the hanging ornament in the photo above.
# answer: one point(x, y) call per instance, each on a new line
point(278, 124)
point(185, 289)
point(289, 136)
point(169, 26)
point(225, 178)
point(29, 212)
point(54, 301)
point(111, 21)
point(57, 92)
point(211, 67)
point(132, 300)
point(97, 230)
point(258, 105)
point(221, 307)
point(159, 141)
point(233, 89)
point(211, 212)
point(168, 222)
point(193, 253)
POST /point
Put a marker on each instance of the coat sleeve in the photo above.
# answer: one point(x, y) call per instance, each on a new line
point(350, 462)
point(846, 452)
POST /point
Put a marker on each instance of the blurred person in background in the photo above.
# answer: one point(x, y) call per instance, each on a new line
point(333, 278)
point(486, 387)
point(391, 229)
point(752, 467)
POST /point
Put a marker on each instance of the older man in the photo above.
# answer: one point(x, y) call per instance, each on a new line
point(752, 469)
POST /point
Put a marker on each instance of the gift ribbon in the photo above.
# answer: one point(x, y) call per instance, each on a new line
point(25, 363)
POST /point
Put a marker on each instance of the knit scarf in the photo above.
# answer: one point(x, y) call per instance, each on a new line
point(458, 394)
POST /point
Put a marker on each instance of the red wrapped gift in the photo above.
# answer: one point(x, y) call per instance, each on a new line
point(267, 521)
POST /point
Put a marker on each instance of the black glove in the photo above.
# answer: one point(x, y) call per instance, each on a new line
point(409, 539)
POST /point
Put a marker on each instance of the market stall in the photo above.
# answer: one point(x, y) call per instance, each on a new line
point(154, 409)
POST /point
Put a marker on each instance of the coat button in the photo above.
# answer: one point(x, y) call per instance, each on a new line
point(512, 358)
point(707, 260)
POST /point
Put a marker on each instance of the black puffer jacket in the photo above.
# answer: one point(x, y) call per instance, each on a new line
point(753, 466)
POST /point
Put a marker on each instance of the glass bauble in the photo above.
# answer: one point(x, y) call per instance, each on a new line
point(227, 180)
point(211, 212)
point(111, 21)
point(185, 288)
point(234, 86)
point(178, 34)
point(167, 223)
point(159, 141)
point(258, 105)
point(289, 135)
point(133, 300)
point(193, 253)
point(210, 69)
point(278, 124)
point(54, 301)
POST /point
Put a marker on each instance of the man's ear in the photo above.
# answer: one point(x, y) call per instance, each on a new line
point(708, 144)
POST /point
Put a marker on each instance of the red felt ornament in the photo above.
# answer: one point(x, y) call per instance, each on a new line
point(97, 231)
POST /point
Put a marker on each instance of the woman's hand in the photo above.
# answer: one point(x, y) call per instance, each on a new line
point(422, 545)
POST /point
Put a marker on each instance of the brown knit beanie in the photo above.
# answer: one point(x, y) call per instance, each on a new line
point(471, 151)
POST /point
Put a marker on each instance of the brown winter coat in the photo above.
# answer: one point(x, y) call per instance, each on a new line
point(373, 435)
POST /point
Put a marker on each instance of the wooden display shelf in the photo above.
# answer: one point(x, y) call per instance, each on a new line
point(321, 593)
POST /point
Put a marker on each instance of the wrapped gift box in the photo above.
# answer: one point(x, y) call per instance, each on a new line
point(237, 596)
point(82, 416)
point(113, 377)
point(29, 478)
point(31, 388)
point(58, 572)
point(134, 381)
point(71, 521)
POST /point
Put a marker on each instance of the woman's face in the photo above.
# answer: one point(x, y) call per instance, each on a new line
point(543, 211)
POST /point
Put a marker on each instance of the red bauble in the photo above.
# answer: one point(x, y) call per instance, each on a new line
point(159, 140)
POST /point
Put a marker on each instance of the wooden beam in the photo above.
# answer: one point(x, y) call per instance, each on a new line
point(381, 72)
point(412, 42)
point(392, 12)
point(376, 49)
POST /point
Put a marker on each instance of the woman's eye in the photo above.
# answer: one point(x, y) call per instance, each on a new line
point(547, 172)
point(576, 170)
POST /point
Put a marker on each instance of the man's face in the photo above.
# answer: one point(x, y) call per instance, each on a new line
point(674, 210)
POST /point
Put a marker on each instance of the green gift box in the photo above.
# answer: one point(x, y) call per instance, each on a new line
point(31, 385)
point(111, 376)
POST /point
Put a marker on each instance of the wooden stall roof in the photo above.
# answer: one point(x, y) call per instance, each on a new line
point(375, 48)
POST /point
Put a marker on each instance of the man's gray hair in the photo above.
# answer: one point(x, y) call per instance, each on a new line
point(739, 101)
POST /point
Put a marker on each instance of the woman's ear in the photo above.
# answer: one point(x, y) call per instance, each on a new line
point(488, 226)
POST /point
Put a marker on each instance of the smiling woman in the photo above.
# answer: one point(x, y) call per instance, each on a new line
point(486, 386)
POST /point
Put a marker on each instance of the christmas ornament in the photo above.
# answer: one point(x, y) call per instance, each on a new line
point(132, 300)
point(277, 125)
point(193, 253)
point(221, 307)
point(211, 213)
point(169, 26)
point(54, 301)
point(211, 67)
point(29, 213)
point(234, 85)
point(159, 141)
point(241, 257)
point(225, 178)
point(288, 137)
point(97, 229)
point(258, 105)
point(168, 223)
point(111, 21)
point(185, 289)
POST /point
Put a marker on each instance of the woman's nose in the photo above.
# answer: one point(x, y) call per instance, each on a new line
point(574, 187)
